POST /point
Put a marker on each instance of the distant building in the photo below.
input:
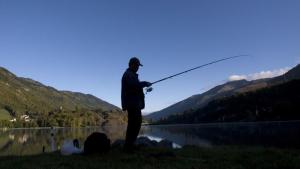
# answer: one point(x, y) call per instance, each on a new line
point(25, 118)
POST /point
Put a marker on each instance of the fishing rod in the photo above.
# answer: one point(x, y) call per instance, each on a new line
point(149, 89)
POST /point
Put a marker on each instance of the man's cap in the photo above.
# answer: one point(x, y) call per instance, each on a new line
point(135, 60)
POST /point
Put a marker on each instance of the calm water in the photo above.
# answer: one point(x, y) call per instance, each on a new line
point(271, 134)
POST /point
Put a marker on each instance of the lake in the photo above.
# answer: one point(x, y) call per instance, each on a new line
point(269, 134)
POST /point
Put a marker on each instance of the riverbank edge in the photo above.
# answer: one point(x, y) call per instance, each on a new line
point(222, 123)
point(177, 124)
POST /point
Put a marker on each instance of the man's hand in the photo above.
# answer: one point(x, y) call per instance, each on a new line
point(146, 84)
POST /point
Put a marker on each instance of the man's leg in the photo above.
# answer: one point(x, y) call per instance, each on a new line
point(133, 127)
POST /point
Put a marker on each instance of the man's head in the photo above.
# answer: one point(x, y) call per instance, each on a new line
point(134, 64)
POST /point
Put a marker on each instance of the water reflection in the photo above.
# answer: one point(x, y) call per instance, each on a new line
point(32, 141)
point(275, 134)
point(269, 134)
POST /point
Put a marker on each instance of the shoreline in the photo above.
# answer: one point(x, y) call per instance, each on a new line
point(178, 124)
point(224, 123)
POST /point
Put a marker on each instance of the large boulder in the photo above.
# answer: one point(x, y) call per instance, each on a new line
point(96, 143)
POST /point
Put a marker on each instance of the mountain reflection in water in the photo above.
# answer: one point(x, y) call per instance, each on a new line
point(268, 134)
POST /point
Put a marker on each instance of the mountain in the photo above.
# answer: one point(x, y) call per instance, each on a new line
point(222, 91)
point(26, 96)
point(279, 102)
point(24, 93)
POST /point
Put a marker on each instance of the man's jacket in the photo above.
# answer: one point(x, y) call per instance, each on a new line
point(132, 91)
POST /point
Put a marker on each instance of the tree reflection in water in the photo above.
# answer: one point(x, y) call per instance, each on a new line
point(32, 141)
point(270, 134)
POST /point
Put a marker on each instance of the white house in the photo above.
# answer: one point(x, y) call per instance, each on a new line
point(25, 118)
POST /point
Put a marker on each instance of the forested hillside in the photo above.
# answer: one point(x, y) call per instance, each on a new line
point(276, 103)
point(31, 103)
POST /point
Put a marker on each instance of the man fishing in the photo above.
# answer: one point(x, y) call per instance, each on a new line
point(133, 96)
point(133, 102)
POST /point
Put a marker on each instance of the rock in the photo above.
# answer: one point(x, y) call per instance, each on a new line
point(165, 143)
point(96, 143)
point(118, 143)
point(145, 142)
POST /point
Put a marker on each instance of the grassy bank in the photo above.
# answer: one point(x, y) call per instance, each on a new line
point(186, 158)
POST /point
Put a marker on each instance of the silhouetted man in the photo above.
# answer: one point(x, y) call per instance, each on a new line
point(133, 101)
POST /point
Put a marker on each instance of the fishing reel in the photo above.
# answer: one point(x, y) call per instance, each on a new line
point(149, 89)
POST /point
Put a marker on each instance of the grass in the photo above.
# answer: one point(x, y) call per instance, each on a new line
point(159, 158)
point(4, 115)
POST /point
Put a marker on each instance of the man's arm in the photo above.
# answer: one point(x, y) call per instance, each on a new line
point(145, 84)
point(134, 83)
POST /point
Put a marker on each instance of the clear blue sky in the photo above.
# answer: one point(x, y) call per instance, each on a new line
point(85, 45)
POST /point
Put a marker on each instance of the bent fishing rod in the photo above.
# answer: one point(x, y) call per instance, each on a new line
point(149, 89)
